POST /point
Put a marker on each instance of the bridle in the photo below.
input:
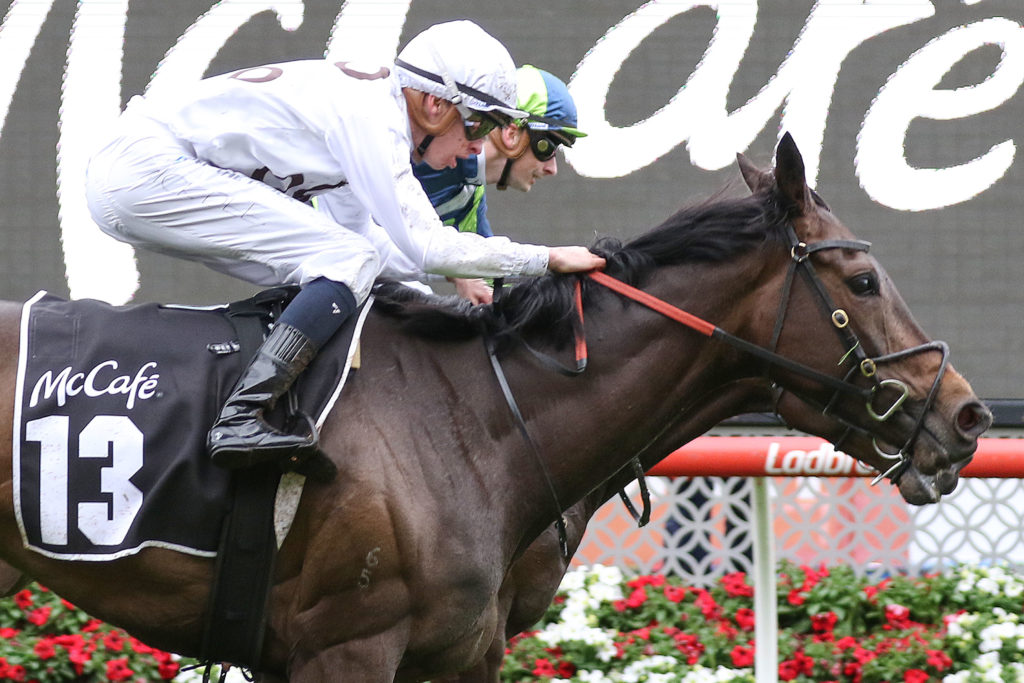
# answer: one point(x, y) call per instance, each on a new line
point(862, 364)
point(866, 366)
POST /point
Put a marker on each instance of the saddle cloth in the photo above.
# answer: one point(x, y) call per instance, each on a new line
point(112, 408)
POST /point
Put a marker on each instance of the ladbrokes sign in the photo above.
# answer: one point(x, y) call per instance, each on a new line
point(908, 114)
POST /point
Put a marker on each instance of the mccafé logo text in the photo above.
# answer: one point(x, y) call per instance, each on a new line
point(825, 460)
point(102, 380)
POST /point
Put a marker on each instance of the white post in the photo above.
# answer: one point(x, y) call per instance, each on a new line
point(766, 654)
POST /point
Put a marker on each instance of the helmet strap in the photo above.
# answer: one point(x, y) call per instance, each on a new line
point(503, 180)
point(422, 147)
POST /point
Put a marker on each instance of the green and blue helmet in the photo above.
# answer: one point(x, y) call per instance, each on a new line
point(546, 98)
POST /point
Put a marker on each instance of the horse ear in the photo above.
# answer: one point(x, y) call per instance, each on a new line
point(755, 178)
point(789, 174)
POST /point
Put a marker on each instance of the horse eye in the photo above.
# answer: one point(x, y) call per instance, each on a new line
point(863, 284)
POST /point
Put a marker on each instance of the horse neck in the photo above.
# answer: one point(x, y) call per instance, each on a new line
point(749, 395)
point(651, 386)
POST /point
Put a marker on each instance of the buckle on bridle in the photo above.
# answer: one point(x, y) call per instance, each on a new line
point(799, 252)
point(900, 386)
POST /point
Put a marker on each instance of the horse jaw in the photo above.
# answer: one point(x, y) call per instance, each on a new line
point(923, 489)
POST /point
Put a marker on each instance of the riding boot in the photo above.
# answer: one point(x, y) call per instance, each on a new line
point(241, 437)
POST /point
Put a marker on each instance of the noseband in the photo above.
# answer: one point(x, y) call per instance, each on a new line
point(866, 366)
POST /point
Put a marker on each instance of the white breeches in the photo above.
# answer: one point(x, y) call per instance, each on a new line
point(148, 189)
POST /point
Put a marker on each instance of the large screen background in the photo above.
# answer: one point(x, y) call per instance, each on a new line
point(908, 113)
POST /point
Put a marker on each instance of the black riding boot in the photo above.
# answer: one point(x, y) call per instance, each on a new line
point(241, 437)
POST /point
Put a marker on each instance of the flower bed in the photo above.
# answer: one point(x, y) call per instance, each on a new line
point(44, 638)
point(958, 627)
point(963, 626)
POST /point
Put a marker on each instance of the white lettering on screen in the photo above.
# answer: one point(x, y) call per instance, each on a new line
point(802, 89)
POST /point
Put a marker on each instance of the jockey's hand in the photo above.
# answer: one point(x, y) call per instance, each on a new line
point(573, 259)
point(473, 290)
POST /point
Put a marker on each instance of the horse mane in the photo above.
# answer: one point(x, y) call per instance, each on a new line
point(543, 308)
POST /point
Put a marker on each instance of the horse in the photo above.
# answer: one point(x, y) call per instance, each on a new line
point(393, 569)
point(534, 579)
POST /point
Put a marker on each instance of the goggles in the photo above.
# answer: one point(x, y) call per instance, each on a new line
point(479, 123)
point(543, 145)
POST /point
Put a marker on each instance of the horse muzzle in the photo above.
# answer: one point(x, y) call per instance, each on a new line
point(944, 446)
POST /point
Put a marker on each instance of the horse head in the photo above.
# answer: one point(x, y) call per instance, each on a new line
point(899, 405)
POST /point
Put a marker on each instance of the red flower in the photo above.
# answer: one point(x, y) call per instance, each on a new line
point(824, 624)
point(79, 658)
point(689, 646)
point(117, 670)
point(707, 604)
point(114, 641)
point(70, 641)
point(675, 593)
point(742, 656)
point(566, 669)
point(39, 616)
point(543, 667)
point(915, 676)
point(139, 646)
point(44, 649)
point(24, 598)
point(805, 663)
point(91, 625)
point(8, 632)
point(745, 618)
point(846, 643)
point(795, 598)
point(898, 616)
point(16, 673)
point(788, 670)
point(168, 669)
point(656, 580)
point(736, 585)
point(939, 659)
point(637, 597)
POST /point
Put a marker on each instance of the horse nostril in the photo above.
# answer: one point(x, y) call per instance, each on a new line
point(973, 419)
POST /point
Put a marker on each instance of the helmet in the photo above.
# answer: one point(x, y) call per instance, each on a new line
point(548, 102)
point(460, 62)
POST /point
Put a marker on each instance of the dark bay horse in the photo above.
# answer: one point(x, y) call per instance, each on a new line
point(534, 578)
point(393, 570)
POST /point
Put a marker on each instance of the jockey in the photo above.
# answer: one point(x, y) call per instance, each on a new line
point(513, 156)
point(224, 175)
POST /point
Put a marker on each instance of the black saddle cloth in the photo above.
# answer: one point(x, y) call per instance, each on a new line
point(112, 409)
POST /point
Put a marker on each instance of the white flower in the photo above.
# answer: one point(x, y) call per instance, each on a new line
point(987, 661)
point(573, 580)
point(608, 576)
point(588, 676)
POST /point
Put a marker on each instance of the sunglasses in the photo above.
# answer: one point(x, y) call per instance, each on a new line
point(543, 145)
point(479, 123)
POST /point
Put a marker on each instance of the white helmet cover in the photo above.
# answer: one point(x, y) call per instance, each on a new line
point(460, 62)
